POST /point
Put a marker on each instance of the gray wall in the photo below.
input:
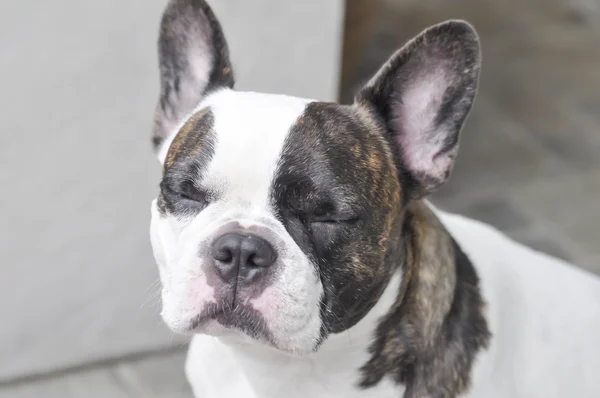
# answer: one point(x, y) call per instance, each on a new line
point(79, 83)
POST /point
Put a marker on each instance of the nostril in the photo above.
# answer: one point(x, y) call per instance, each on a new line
point(224, 255)
point(257, 261)
point(258, 252)
point(226, 248)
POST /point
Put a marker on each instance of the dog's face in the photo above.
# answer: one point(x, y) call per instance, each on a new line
point(278, 217)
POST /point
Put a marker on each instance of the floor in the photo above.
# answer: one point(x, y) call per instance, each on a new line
point(529, 161)
point(154, 376)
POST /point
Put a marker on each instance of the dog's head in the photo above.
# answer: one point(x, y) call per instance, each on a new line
point(278, 217)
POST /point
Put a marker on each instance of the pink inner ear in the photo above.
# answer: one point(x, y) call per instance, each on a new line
point(420, 140)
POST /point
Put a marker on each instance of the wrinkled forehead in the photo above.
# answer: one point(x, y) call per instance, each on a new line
point(233, 141)
point(234, 119)
point(240, 145)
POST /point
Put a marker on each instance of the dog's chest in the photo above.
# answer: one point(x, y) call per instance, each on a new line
point(214, 370)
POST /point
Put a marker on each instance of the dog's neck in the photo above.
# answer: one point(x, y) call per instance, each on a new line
point(422, 335)
point(429, 339)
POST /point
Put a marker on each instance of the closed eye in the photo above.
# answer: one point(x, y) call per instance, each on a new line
point(196, 197)
point(335, 220)
point(187, 193)
point(188, 197)
point(325, 230)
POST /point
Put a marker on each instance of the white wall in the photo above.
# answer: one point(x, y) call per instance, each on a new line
point(79, 84)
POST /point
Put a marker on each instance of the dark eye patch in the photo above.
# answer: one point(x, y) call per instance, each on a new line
point(183, 196)
point(336, 160)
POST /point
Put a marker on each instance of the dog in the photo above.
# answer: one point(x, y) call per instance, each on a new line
point(296, 245)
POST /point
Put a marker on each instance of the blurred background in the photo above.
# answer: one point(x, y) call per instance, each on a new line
point(79, 80)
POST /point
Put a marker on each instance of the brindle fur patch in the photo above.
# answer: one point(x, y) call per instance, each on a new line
point(336, 165)
point(189, 153)
point(431, 336)
point(191, 138)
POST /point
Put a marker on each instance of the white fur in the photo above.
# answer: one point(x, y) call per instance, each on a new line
point(544, 314)
point(251, 129)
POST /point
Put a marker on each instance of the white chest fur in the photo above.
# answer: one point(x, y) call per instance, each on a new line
point(218, 370)
point(236, 367)
point(544, 315)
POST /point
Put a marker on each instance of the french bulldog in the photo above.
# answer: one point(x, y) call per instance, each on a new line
point(295, 244)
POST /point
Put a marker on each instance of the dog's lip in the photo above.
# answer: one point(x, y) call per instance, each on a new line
point(215, 315)
point(238, 319)
point(202, 319)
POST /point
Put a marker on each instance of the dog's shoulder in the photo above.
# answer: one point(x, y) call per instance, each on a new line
point(544, 315)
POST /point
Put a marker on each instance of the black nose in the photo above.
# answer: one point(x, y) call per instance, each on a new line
point(241, 254)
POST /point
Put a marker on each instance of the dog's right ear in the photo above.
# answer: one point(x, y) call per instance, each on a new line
point(423, 94)
point(193, 60)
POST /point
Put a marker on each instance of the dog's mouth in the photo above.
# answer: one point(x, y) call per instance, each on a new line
point(239, 318)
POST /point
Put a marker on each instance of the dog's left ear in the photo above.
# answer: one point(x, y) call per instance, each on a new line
point(193, 60)
point(423, 95)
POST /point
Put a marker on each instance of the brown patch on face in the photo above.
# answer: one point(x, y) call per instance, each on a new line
point(187, 157)
point(336, 163)
point(373, 159)
point(430, 337)
point(190, 137)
